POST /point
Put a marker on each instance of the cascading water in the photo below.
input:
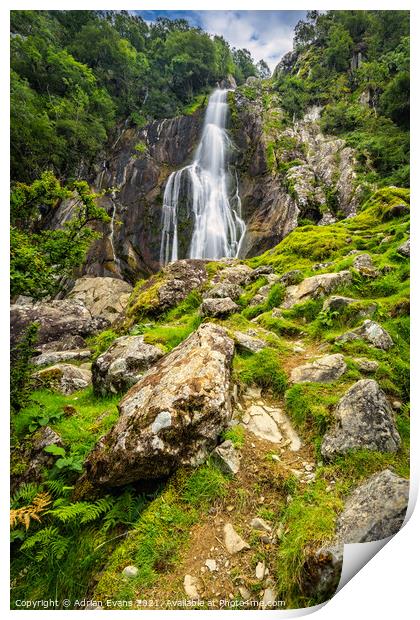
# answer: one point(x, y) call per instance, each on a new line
point(218, 228)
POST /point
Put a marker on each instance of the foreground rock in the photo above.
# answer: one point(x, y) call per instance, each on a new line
point(122, 365)
point(56, 319)
point(218, 307)
point(364, 420)
point(224, 289)
point(233, 542)
point(63, 378)
point(375, 510)
point(315, 286)
point(364, 265)
point(105, 297)
point(226, 458)
point(323, 370)
point(370, 331)
point(172, 416)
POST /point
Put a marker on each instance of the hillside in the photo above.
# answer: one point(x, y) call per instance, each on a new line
point(196, 427)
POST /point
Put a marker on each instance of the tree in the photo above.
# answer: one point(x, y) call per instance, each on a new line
point(244, 66)
point(263, 70)
point(339, 48)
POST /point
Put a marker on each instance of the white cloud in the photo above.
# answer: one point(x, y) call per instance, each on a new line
point(266, 34)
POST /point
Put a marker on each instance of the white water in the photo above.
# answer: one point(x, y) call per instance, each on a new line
point(218, 226)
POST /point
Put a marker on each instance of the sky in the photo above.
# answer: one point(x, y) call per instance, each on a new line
point(267, 35)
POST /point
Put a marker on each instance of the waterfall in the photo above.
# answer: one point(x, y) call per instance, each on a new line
point(218, 228)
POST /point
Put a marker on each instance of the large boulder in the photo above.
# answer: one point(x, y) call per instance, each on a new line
point(56, 318)
point(172, 416)
point(374, 511)
point(63, 378)
point(364, 420)
point(224, 289)
point(314, 287)
point(370, 331)
point(218, 307)
point(122, 365)
point(322, 370)
point(105, 297)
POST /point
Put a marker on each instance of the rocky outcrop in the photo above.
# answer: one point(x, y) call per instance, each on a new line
point(55, 357)
point(374, 511)
point(315, 286)
point(63, 378)
point(172, 416)
point(122, 365)
point(372, 333)
point(323, 370)
point(105, 297)
point(218, 307)
point(364, 420)
point(56, 319)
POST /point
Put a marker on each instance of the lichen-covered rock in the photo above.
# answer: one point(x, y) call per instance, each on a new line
point(248, 342)
point(364, 420)
point(374, 511)
point(218, 307)
point(364, 265)
point(55, 357)
point(315, 286)
point(56, 318)
point(370, 331)
point(70, 342)
point(106, 297)
point(224, 289)
point(122, 365)
point(63, 378)
point(404, 248)
point(236, 274)
point(291, 278)
point(33, 456)
point(366, 365)
point(172, 416)
point(322, 370)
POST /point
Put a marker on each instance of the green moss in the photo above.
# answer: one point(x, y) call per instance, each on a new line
point(144, 300)
point(101, 342)
point(198, 103)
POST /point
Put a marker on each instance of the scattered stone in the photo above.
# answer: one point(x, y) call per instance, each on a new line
point(364, 265)
point(370, 331)
point(211, 565)
point(260, 571)
point(268, 599)
point(249, 343)
point(122, 365)
point(322, 370)
point(103, 296)
point(315, 286)
point(320, 266)
point(337, 302)
point(218, 307)
point(245, 593)
point(365, 420)
point(233, 542)
point(397, 405)
point(191, 587)
point(404, 249)
point(374, 511)
point(259, 524)
point(130, 571)
point(63, 378)
point(365, 365)
point(55, 357)
point(186, 394)
point(226, 458)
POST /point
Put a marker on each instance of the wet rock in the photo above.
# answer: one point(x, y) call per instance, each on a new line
point(130, 571)
point(364, 420)
point(105, 297)
point(370, 331)
point(226, 458)
point(63, 378)
point(56, 319)
point(191, 587)
point(404, 248)
point(224, 289)
point(375, 510)
point(233, 542)
point(218, 307)
point(315, 286)
point(122, 365)
point(249, 343)
point(172, 416)
point(323, 370)
point(364, 265)
point(54, 357)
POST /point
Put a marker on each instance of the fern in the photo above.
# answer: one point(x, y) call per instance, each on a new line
point(49, 544)
point(25, 494)
point(25, 515)
point(83, 512)
point(125, 510)
point(58, 487)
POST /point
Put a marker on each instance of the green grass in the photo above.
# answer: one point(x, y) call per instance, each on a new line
point(236, 434)
point(263, 369)
point(101, 342)
point(311, 407)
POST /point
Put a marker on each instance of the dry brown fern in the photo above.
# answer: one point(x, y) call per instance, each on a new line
point(25, 514)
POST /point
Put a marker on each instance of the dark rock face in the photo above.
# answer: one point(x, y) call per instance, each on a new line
point(172, 416)
point(364, 420)
point(374, 511)
point(57, 319)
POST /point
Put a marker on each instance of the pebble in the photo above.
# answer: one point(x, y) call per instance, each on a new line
point(211, 565)
point(259, 524)
point(269, 599)
point(245, 593)
point(130, 571)
point(260, 570)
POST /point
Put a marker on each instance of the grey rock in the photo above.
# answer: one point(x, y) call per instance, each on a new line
point(364, 420)
point(130, 571)
point(233, 542)
point(322, 370)
point(404, 248)
point(63, 378)
point(224, 289)
point(374, 511)
point(104, 297)
point(69, 342)
point(122, 365)
point(237, 274)
point(370, 331)
point(327, 219)
point(291, 277)
point(218, 307)
point(211, 565)
point(227, 458)
point(191, 587)
point(364, 265)
point(172, 416)
point(365, 365)
point(314, 287)
point(260, 571)
point(249, 343)
point(259, 524)
point(44, 437)
point(54, 357)
point(337, 303)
